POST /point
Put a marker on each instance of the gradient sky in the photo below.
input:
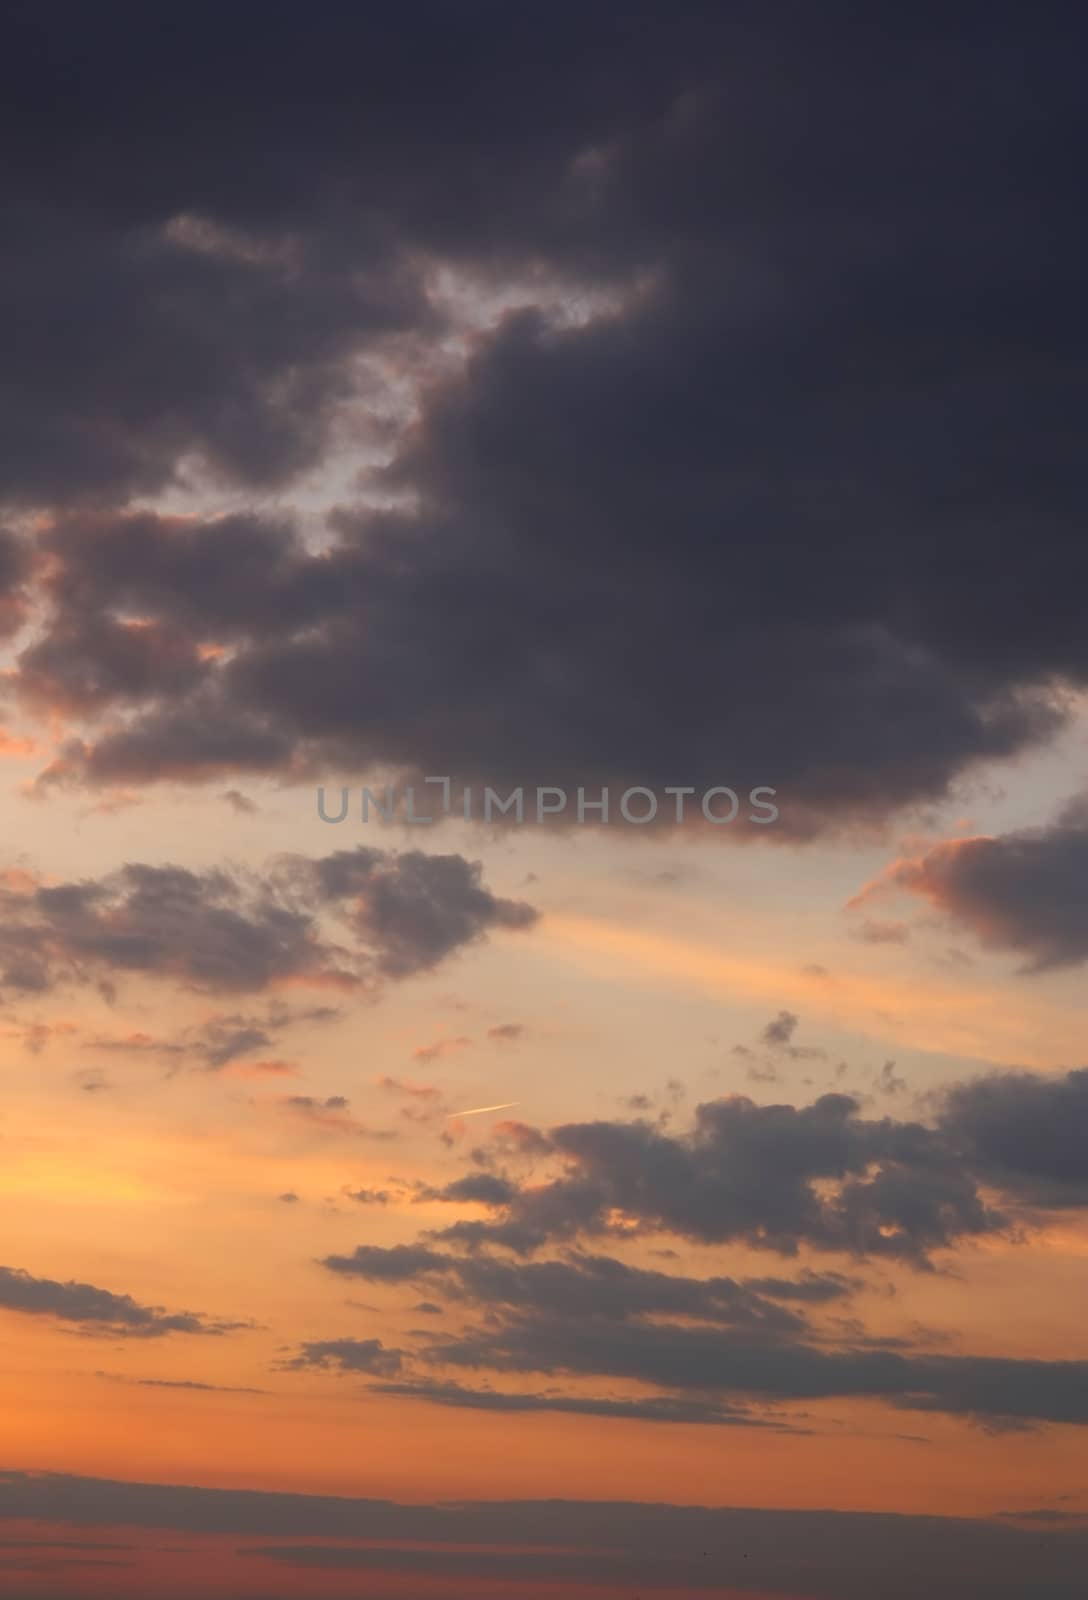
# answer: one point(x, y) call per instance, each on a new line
point(543, 397)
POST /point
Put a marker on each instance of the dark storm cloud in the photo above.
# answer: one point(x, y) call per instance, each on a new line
point(99, 1311)
point(192, 741)
point(220, 580)
point(1026, 891)
point(86, 663)
point(228, 272)
point(774, 1552)
point(150, 336)
point(220, 930)
point(15, 567)
point(809, 450)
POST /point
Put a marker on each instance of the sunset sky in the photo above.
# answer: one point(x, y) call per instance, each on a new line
point(551, 400)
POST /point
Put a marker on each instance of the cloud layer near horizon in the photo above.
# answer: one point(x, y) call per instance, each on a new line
point(665, 1548)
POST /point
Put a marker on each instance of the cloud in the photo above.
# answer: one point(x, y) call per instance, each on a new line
point(241, 803)
point(780, 1030)
point(545, 293)
point(1026, 892)
point(1025, 1133)
point(100, 1311)
point(331, 1115)
point(773, 1551)
point(349, 1355)
point(265, 1069)
point(16, 566)
point(223, 1040)
point(778, 1036)
point(440, 1048)
point(580, 1285)
point(209, 930)
point(875, 931)
point(220, 930)
point(736, 1363)
point(410, 1091)
point(397, 1264)
point(649, 1408)
point(416, 909)
point(815, 1288)
point(184, 1385)
point(476, 1188)
point(775, 1177)
point(368, 1197)
point(690, 1340)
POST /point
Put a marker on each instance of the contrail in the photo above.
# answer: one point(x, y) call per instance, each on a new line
point(478, 1111)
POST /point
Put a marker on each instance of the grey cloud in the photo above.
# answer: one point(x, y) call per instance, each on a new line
point(221, 1039)
point(814, 1288)
point(220, 930)
point(414, 908)
point(100, 1311)
point(185, 1385)
point(1025, 1132)
point(774, 1176)
point(734, 1363)
point(16, 564)
point(776, 1552)
point(1026, 892)
point(368, 1197)
point(348, 1355)
point(480, 1188)
point(780, 1030)
point(397, 1264)
point(89, 662)
point(579, 1285)
point(695, 1340)
point(207, 929)
point(843, 418)
point(648, 1408)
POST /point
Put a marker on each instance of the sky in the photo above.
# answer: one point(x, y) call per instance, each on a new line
point(544, 787)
